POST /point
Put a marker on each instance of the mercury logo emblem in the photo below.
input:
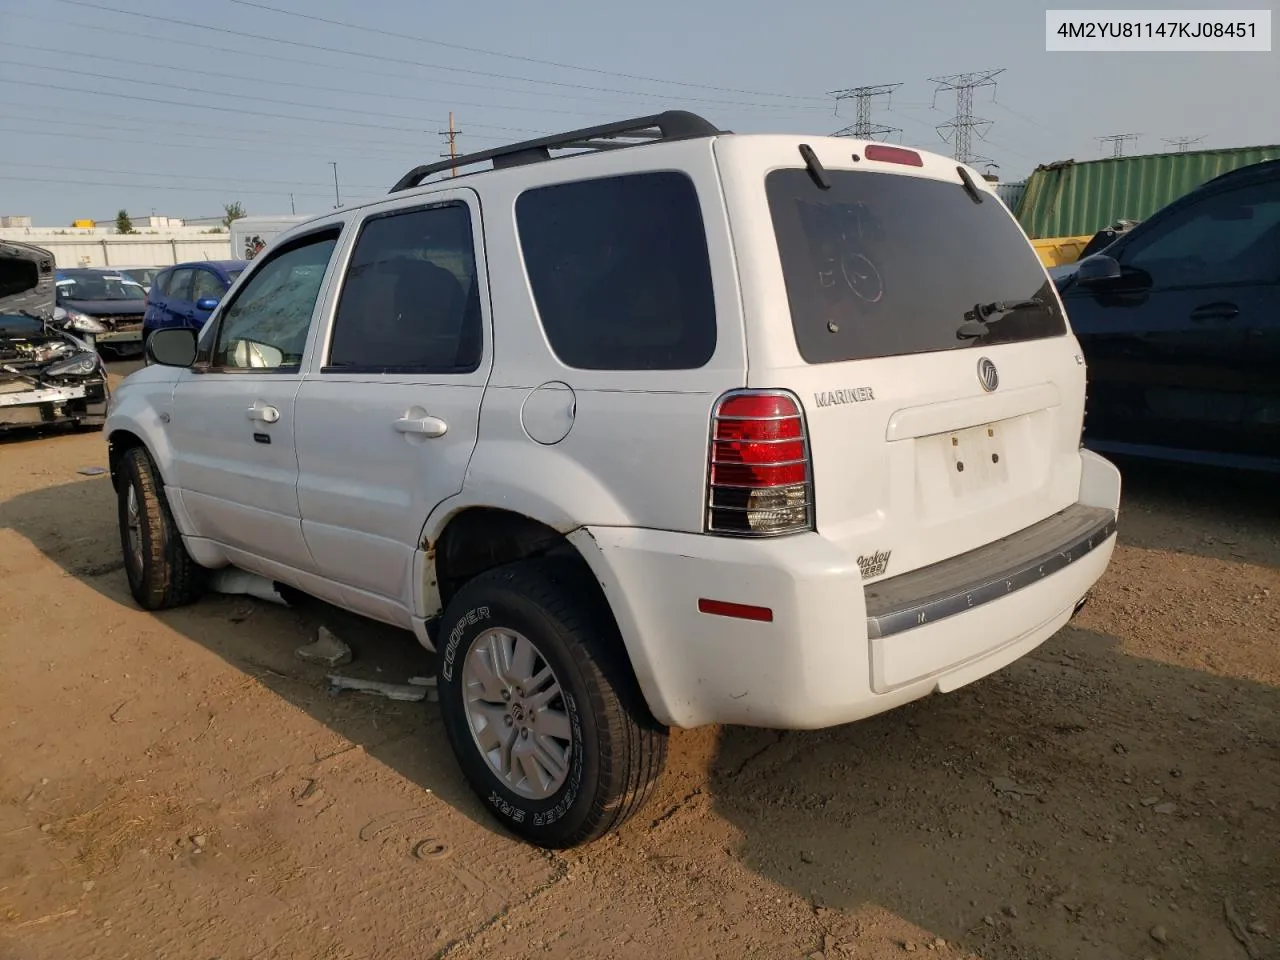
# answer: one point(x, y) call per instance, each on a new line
point(988, 376)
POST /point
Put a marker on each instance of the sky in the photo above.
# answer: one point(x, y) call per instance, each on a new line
point(135, 104)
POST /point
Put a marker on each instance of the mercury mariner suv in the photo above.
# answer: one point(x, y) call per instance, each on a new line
point(638, 426)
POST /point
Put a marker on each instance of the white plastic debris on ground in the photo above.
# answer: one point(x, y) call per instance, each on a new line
point(235, 581)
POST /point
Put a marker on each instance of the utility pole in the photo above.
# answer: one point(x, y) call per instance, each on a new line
point(292, 208)
point(337, 200)
point(451, 137)
point(964, 123)
point(862, 128)
point(1117, 141)
point(1181, 143)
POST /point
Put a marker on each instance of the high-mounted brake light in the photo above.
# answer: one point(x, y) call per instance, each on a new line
point(879, 151)
point(760, 481)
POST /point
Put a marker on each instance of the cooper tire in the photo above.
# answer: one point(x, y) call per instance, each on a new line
point(161, 573)
point(615, 748)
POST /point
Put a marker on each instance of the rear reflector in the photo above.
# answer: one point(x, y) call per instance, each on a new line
point(878, 151)
point(741, 611)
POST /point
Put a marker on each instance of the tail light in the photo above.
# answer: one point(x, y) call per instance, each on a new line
point(760, 482)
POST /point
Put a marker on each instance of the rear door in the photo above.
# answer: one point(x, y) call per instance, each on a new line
point(388, 417)
point(942, 389)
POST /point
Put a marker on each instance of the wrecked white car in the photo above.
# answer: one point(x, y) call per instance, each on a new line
point(50, 372)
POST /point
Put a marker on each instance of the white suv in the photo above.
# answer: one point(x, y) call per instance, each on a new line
point(715, 428)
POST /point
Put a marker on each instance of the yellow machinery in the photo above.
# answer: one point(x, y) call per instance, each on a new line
point(1053, 251)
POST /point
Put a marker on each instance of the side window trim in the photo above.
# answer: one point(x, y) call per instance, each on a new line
point(205, 349)
point(323, 347)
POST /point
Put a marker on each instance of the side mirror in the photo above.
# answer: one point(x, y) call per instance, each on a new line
point(172, 347)
point(1098, 268)
point(207, 303)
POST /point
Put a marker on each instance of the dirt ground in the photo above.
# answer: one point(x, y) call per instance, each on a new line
point(181, 786)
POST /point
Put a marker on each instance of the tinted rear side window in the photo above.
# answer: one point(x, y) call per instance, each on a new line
point(884, 265)
point(620, 271)
point(411, 299)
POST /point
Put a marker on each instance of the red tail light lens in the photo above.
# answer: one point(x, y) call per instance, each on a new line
point(878, 151)
point(760, 482)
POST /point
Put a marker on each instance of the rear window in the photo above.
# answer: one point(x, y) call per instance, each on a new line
point(885, 265)
point(620, 271)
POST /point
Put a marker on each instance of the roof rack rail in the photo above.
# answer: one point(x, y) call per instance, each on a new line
point(671, 125)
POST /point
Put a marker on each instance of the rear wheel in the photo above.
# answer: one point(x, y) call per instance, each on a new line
point(161, 573)
point(541, 708)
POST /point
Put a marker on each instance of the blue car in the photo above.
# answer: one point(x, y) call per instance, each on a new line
point(185, 294)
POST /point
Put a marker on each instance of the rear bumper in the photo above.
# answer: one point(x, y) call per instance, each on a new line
point(833, 651)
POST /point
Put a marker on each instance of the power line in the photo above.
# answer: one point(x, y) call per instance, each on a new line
point(60, 69)
point(1181, 143)
point(964, 123)
point(1117, 141)
point(862, 128)
point(637, 97)
point(269, 140)
point(138, 186)
point(231, 181)
point(209, 106)
point(381, 95)
point(368, 56)
point(399, 35)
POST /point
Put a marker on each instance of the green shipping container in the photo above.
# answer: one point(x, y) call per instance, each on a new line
point(1070, 199)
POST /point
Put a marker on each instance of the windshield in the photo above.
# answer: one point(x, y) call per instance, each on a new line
point(883, 265)
point(104, 286)
point(232, 274)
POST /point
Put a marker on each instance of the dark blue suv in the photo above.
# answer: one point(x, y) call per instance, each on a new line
point(185, 294)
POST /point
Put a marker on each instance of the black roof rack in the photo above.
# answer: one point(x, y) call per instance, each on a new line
point(671, 125)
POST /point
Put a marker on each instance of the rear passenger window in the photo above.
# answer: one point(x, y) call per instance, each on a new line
point(620, 272)
point(411, 299)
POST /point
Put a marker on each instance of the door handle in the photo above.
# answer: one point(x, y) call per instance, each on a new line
point(423, 426)
point(264, 412)
point(1215, 311)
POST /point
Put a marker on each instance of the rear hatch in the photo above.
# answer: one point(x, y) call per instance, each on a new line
point(907, 310)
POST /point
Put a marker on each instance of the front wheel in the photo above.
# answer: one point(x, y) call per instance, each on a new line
point(540, 707)
point(161, 573)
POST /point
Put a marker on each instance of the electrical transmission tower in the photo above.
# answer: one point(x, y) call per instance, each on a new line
point(862, 128)
point(1118, 140)
point(959, 129)
point(1181, 143)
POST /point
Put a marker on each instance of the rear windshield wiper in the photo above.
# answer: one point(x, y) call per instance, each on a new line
point(975, 320)
point(984, 310)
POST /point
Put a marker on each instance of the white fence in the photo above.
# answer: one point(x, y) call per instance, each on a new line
point(159, 249)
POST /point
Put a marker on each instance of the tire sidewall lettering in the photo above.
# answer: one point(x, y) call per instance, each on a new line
point(470, 618)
